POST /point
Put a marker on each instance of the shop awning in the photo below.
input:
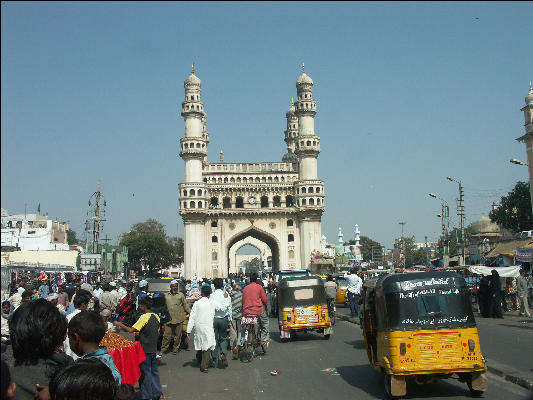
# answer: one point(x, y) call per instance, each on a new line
point(504, 272)
point(509, 248)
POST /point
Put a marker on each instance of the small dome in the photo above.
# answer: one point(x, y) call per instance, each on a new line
point(292, 109)
point(484, 225)
point(192, 80)
point(289, 157)
point(304, 78)
point(529, 97)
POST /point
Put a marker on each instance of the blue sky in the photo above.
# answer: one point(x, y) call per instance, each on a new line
point(407, 94)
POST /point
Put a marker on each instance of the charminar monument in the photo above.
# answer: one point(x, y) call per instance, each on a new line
point(275, 206)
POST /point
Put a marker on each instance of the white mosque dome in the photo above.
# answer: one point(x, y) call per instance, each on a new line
point(193, 80)
point(304, 79)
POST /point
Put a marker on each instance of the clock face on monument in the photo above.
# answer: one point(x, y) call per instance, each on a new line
point(251, 200)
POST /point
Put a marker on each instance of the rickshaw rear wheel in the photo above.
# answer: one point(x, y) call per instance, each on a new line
point(327, 336)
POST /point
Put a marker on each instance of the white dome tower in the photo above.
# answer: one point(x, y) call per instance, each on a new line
point(193, 192)
point(309, 189)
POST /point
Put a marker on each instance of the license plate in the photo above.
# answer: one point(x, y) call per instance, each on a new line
point(249, 320)
point(305, 312)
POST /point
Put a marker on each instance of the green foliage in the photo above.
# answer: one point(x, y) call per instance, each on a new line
point(413, 256)
point(71, 237)
point(514, 211)
point(150, 248)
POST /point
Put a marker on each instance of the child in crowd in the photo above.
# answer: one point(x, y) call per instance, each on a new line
point(85, 332)
point(147, 327)
point(8, 387)
point(87, 379)
point(37, 330)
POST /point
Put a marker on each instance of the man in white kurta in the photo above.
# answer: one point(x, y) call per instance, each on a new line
point(201, 320)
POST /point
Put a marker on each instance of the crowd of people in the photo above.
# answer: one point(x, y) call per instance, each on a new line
point(51, 334)
point(493, 299)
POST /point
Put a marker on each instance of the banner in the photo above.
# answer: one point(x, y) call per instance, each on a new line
point(524, 254)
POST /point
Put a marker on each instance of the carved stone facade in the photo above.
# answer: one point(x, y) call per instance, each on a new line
point(227, 205)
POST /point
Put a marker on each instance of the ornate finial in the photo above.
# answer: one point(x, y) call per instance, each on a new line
point(192, 72)
point(530, 88)
point(221, 155)
point(292, 101)
point(303, 68)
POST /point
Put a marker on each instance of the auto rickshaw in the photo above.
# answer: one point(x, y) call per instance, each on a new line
point(302, 306)
point(420, 325)
point(342, 290)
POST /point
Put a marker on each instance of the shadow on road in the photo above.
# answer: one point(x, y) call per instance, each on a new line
point(370, 381)
point(518, 326)
point(364, 378)
point(357, 344)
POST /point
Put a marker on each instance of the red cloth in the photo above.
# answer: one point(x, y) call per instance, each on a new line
point(253, 298)
point(127, 360)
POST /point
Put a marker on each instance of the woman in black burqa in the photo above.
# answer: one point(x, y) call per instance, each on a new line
point(495, 291)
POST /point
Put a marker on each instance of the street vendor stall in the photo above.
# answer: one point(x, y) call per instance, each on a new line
point(127, 356)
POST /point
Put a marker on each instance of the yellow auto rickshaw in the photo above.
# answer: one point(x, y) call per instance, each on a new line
point(421, 325)
point(342, 290)
point(302, 307)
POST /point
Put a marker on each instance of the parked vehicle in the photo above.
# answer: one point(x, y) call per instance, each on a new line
point(420, 325)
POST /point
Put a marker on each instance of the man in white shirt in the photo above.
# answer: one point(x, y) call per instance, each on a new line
point(354, 292)
point(221, 322)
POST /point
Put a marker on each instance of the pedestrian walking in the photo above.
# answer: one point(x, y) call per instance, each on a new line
point(354, 292)
point(221, 323)
point(201, 320)
point(177, 307)
point(522, 293)
point(236, 317)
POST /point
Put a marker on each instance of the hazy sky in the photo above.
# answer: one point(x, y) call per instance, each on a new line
point(407, 94)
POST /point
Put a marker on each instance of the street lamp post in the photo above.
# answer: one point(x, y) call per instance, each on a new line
point(461, 213)
point(445, 218)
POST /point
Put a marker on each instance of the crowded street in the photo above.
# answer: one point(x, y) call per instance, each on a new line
point(312, 368)
point(266, 201)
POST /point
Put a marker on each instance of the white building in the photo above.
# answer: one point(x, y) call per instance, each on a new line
point(33, 232)
point(225, 206)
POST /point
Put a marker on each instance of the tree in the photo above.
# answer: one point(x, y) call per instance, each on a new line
point(176, 249)
point(411, 254)
point(150, 248)
point(514, 211)
point(71, 237)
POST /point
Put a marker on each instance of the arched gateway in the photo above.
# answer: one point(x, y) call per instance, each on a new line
point(224, 205)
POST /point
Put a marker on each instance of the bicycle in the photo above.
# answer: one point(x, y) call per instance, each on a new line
point(251, 337)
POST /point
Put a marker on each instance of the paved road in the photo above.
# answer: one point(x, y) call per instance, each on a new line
point(311, 368)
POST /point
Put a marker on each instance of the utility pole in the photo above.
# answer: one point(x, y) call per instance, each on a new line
point(461, 213)
point(403, 244)
point(426, 244)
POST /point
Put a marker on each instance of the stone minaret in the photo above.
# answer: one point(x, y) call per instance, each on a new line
point(291, 134)
point(193, 196)
point(528, 137)
point(309, 189)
